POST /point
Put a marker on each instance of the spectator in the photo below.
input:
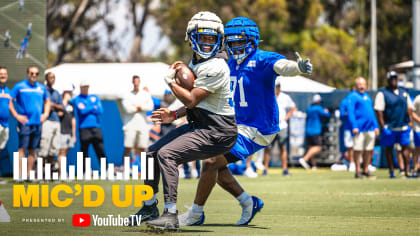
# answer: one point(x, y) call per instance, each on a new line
point(286, 109)
point(416, 134)
point(393, 109)
point(33, 108)
point(88, 108)
point(67, 125)
point(136, 130)
point(348, 138)
point(314, 113)
point(364, 126)
point(5, 104)
point(50, 137)
point(7, 38)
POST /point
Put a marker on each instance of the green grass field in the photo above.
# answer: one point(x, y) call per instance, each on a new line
point(308, 203)
point(17, 22)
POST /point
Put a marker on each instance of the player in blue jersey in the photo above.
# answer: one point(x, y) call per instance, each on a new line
point(253, 73)
point(33, 108)
point(348, 138)
point(5, 104)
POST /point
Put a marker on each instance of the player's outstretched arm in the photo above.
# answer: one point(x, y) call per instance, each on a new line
point(286, 67)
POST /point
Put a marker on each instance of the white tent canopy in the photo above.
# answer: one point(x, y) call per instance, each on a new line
point(302, 84)
point(110, 81)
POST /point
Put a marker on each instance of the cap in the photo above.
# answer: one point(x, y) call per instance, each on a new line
point(391, 74)
point(167, 91)
point(84, 82)
point(316, 98)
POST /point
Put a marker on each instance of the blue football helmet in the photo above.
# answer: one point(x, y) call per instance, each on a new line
point(241, 29)
point(201, 24)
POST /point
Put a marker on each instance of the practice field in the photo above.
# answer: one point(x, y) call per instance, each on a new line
point(308, 203)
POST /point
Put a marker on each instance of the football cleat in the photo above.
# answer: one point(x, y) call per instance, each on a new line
point(189, 218)
point(167, 221)
point(249, 212)
point(147, 213)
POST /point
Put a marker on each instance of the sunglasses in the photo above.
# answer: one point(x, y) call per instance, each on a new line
point(36, 74)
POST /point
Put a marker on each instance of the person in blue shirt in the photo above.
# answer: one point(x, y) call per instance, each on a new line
point(348, 137)
point(393, 108)
point(88, 108)
point(33, 108)
point(50, 137)
point(5, 104)
point(364, 126)
point(314, 114)
point(253, 73)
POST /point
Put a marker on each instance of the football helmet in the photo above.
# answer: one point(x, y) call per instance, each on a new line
point(241, 29)
point(201, 24)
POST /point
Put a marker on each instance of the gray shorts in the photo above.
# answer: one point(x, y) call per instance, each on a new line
point(50, 139)
point(66, 141)
point(4, 136)
point(281, 138)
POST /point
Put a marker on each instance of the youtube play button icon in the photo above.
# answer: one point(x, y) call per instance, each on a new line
point(81, 220)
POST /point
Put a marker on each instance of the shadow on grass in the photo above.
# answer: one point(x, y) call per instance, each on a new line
point(152, 231)
point(236, 226)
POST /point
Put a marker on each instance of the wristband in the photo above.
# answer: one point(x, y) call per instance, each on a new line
point(175, 114)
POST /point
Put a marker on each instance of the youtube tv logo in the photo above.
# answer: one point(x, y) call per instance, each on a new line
point(81, 220)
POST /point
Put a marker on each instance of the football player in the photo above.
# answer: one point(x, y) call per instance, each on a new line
point(211, 128)
point(253, 73)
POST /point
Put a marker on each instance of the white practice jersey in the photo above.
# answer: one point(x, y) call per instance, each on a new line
point(213, 75)
point(133, 119)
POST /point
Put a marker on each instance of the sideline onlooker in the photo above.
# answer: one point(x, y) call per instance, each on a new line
point(393, 109)
point(67, 125)
point(364, 126)
point(348, 138)
point(314, 113)
point(33, 108)
point(88, 109)
point(136, 130)
point(5, 104)
point(286, 109)
point(50, 136)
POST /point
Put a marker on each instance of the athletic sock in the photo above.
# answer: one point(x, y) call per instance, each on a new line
point(150, 201)
point(196, 209)
point(171, 206)
point(244, 199)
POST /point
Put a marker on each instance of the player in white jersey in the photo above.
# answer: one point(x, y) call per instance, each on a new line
point(211, 128)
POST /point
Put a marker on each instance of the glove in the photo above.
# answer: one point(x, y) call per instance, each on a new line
point(169, 77)
point(305, 66)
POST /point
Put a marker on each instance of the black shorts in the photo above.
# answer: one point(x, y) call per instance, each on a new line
point(315, 140)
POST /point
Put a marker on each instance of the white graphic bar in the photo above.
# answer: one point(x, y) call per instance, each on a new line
point(135, 172)
point(88, 171)
point(63, 168)
point(126, 168)
point(24, 169)
point(119, 175)
point(95, 174)
point(71, 172)
point(39, 167)
point(150, 170)
point(111, 171)
point(79, 165)
point(47, 171)
point(32, 175)
point(103, 168)
point(55, 175)
point(143, 165)
point(16, 174)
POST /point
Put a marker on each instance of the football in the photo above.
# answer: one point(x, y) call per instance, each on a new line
point(184, 76)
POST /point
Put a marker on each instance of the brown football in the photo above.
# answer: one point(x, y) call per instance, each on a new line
point(184, 76)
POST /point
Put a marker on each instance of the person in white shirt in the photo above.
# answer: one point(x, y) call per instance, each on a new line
point(136, 130)
point(286, 109)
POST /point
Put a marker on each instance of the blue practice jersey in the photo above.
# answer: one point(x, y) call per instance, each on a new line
point(253, 83)
point(87, 110)
point(344, 115)
point(30, 100)
point(314, 113)
point(361, 113)
point(4, 106)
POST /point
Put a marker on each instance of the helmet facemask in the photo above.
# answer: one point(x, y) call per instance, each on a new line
point(201, 42)
point(239, 47)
